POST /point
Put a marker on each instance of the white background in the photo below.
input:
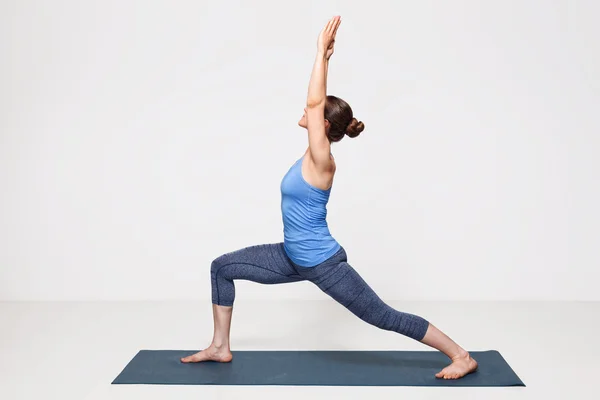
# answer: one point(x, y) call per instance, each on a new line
point(139, 140)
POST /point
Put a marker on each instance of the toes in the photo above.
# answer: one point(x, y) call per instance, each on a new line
point(449, 373)
point(443, 373)
point(189, 359)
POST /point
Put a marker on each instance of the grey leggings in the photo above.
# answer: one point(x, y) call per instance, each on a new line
point(269, 264)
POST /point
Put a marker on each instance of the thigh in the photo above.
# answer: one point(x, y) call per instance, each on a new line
point(345, 285)
point(339, 280)
point(263, 263)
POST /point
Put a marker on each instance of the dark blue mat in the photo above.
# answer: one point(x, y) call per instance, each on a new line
point(323, 368)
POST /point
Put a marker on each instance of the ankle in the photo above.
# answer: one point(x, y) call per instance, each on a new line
point(460, 355)
point(220, 345)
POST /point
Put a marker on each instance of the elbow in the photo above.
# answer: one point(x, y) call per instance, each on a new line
point(315, 103)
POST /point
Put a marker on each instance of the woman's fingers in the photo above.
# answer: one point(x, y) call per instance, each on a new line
point(328, 26)
point(333, 22)
point(328, 34)
point(337, 25)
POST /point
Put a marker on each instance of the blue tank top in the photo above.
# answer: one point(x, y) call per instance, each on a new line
point(307, 240)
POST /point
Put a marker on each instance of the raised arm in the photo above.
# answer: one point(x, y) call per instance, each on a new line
point(317, 93)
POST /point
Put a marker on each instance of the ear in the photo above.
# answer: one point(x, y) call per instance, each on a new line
point(327, 124)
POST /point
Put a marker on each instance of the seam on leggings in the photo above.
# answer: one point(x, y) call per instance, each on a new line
point(279, 256)
point(343, 276)
point(331, 272)
point(326, 276)
point(254, 265)
point(366, 308)
point(242, 263)
point(383, 318)
point(217, 285)
point(270, 251)
point(357, 296)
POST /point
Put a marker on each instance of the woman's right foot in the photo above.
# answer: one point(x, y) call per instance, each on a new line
point(210, 354)
point(461, 365)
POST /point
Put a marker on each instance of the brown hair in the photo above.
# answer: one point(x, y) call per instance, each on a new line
point(341, 120)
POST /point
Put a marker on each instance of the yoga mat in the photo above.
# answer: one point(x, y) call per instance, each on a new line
point(322, 368)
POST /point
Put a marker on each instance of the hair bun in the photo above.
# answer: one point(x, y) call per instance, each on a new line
point(355, 127)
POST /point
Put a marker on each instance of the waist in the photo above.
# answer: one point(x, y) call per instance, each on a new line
point(310, 249)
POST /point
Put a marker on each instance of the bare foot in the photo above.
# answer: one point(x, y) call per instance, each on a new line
point(461, 366)
point(210, 354)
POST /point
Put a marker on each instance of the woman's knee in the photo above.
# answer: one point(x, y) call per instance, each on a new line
point(216, 264)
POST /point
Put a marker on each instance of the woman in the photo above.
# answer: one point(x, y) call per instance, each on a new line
point(308, 251)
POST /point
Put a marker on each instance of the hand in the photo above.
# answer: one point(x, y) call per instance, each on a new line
point(327, 36)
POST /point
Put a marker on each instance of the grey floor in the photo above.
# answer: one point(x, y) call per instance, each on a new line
point(74, 350)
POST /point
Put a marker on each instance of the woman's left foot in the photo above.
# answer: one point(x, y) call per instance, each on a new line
point(461, 366)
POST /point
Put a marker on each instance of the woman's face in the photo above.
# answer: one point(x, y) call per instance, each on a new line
point(304, 124)
point(302, 121)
